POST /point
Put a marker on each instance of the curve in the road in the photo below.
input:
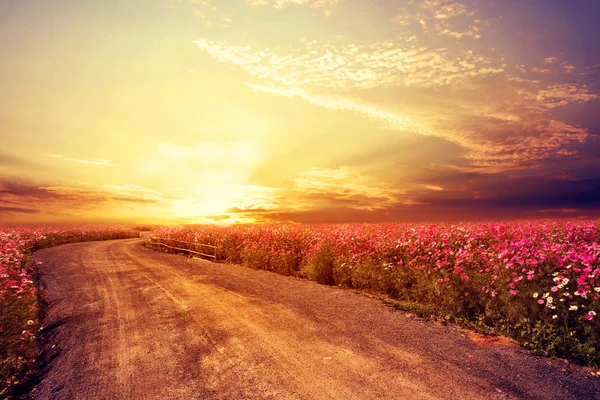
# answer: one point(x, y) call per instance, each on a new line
point(132, 323)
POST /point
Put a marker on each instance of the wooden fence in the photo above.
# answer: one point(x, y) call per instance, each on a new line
point(191, 248)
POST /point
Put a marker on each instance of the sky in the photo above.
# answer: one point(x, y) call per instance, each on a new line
point(225, 111)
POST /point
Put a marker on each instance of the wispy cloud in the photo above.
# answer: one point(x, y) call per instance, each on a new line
point(562, 94)
point(327, 5)
point(97, 161)
point(434, 188)
point(70, 201)
point(453, 19)
point(469, 99)
point(134, 192)
point(205, 11)
point(389, 119)
point(351, 66)
point(18, 191)
point(340, 187)
point(18, 210)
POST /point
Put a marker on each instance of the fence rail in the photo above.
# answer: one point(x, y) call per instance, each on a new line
point(195, 251)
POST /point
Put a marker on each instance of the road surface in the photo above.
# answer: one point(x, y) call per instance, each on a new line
point(127, 322)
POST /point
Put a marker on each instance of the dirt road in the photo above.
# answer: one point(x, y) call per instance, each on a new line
point(127, 322)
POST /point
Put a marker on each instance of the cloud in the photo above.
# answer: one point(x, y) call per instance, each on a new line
point(568, 68)
point(558, 210)
point(84, 202)
point(70, 196)
point(540, 70)
point(236, 200)
point(332, 195)
point(98, 161)
point(564, 93)
point(130, 201)
point(434, 188)
point(533, 192)
point(328, 5)
point(209, 15)
point(340, 187)
point(389, 63)
point(471, 99)
point(20, 189)
point(18, 210)
point(390, 119)
point(452, 19)
point(205, 11)
point(134, 192)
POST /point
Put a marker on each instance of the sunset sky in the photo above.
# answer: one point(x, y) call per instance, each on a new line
point(195, 111)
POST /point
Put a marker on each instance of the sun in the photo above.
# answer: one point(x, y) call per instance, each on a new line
point(218, 199)
point(211, 201)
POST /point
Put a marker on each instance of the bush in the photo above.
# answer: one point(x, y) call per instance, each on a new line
point(321, 266)
point(536, 282)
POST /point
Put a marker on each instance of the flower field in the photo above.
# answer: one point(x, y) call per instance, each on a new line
point(19, 320)
point(536, 282)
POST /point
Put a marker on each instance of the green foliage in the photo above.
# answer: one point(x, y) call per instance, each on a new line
point(18, 347)
point(257, 259)
point(321, 266)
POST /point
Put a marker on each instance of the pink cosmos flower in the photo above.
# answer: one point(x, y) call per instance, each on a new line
point(590, 315)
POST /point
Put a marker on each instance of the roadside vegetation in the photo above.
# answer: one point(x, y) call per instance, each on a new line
point(20, 295)
point(538, 283)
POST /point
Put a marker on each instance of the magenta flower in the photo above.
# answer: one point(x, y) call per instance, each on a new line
point(590, 315)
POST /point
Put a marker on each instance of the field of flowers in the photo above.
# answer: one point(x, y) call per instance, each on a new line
point(19, 319)
point(536, 282)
